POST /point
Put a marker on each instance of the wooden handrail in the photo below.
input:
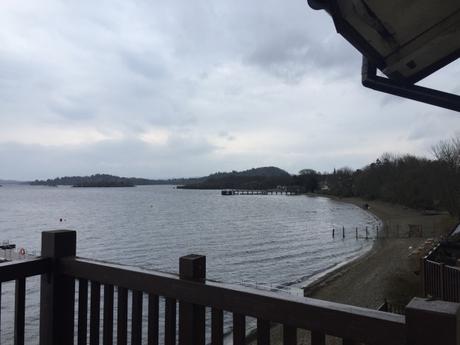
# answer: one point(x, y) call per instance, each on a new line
point(359, 324)
point(13, 270)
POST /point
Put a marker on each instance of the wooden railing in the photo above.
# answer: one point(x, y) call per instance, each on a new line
point(441, 281)
point(190, 300)
point(19, 272)
point(372, 327)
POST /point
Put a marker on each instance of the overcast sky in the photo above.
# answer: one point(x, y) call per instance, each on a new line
point(186, 88)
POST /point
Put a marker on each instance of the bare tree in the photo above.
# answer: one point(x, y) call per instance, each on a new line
point(448, 151)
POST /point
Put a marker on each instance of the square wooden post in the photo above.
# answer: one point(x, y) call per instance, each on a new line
point(192, 317)
point(432, 322)
point(57, 295)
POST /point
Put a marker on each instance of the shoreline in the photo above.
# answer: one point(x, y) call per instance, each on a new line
point(381, 274)
point(340, 269)
point(319, 279)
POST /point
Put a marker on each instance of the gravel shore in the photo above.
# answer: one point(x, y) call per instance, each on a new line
point(384, 272)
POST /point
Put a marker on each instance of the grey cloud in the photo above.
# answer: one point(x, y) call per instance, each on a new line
point(226, 135)
point(13, 67)
point(145, 64)
point(295, 54)
point(72, 108)
point(184, 145)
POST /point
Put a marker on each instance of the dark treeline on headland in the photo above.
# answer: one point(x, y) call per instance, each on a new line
point(256, 178)
point(407, 180)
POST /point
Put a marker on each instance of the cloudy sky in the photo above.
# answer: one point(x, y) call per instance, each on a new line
point(171, 88)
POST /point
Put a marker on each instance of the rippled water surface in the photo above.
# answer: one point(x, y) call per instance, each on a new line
point(272, 240)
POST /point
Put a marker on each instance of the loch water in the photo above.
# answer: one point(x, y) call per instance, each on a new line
point(274, 242)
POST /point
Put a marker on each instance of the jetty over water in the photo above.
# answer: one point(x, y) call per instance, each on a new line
point(259, 192)
point(110, 292)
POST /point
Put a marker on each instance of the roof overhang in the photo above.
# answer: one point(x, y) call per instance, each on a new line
point(407, 40)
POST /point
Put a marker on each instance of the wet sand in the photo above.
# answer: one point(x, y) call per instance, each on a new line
point(384, 273)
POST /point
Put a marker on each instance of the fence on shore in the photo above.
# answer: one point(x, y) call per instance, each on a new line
point(385, 231)
point(188, 299)
point(260, 192)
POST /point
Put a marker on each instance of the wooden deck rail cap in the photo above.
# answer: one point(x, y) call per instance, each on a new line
point(59, 243)
point(432, 322)
point(192, 267)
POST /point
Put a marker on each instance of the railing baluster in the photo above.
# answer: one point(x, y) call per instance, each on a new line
point(19, 311)
point(95, 313)
point(318, 338)
point(136, 318)
point(289, 335)
point(153, 316)
point(217, 327)
point(263, 332)
point(122, 316)
point(239, 329)
point(107, 338)
point(82, 312)
point(170, 321)
point(457, 287)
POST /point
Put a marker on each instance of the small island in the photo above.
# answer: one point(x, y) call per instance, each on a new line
point(97, 180)
point(106, 180)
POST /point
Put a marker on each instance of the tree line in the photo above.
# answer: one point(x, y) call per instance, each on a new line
point(408, 180)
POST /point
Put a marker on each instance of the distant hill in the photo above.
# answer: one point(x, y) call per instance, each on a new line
point(256, 178)
point(105, 180)
point(259, 172)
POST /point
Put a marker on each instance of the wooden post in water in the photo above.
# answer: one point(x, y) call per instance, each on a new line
point(367, 234)
point(333, 232)
point(192, 317)
point(343, 232)
point(356, 232)
point(377, 233)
